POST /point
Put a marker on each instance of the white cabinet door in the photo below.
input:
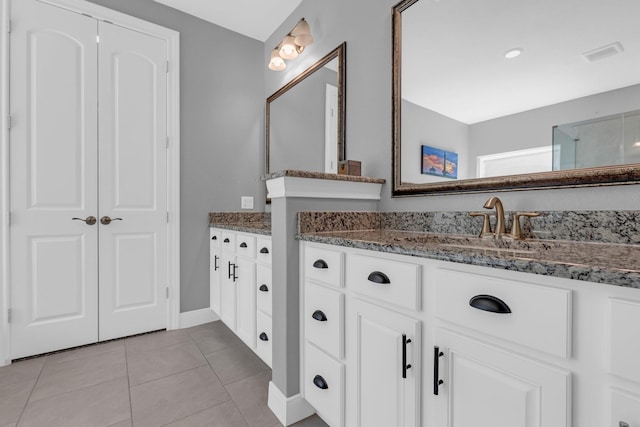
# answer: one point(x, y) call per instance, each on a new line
point(132, 182)
point(384, 378)
point(487, 387)
point(228, 290)
point(246, 328)
point(54, 259)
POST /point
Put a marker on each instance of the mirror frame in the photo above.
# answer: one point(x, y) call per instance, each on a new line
point(341, 53)
point(585, 177)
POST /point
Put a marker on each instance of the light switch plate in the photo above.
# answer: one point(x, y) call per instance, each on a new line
point(246, 202)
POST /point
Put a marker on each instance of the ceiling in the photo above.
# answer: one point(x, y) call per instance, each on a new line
point(257, 19)
point(453, 53)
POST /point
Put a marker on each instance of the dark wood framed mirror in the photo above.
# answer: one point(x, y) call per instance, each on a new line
point(305, 119)
point(566, 109)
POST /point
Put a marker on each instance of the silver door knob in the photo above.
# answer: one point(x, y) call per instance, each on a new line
point(105, 220)
point(90, 220)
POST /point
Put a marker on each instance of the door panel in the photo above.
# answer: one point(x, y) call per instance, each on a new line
point(53, 179)
point(132, 179)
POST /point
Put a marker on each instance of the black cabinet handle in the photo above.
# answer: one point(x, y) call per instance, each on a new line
point(263, 288)
point(264, 251)
point(319, 316)
point(320, 263)
point(263, 337)
point(379, 277)
point(489, 303)
point(215, 263)
point(405, 366)
point(232, 271)
point(243, 245)
point(226, 240)
point(319, 382)
point(437, 382)
point(235, 269)
point(214, 238)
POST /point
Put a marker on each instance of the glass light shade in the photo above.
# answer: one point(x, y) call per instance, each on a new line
point(288, 49)
point(276, 63)
point(303, 33)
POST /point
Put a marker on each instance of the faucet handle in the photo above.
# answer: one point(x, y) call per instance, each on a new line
point(486, 223)
point(516, 229)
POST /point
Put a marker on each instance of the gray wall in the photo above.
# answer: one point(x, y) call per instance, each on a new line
point(366, 27)
point(222, 109)
point(297, 124)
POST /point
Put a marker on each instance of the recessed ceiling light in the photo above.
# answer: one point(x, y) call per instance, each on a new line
point(513, 53)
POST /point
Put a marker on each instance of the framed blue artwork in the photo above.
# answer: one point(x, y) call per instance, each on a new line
point(438, 162)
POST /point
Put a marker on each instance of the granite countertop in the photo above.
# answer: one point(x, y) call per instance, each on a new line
point(245, 222)
point(607, 263)
point(321, 175)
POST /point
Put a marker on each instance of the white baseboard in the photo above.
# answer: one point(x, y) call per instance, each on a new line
point(288, 410)
point(197, 317)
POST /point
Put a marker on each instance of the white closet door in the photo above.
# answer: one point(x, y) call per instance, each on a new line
point(132, 178)
point(53, 179)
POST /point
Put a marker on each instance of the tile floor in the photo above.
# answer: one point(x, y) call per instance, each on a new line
point(201, 376)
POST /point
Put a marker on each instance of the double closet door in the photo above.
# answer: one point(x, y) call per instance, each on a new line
point(88, 180)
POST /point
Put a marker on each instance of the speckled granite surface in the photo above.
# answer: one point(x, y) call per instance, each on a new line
point(247, 222)
point(321, 175)
point(604, 246)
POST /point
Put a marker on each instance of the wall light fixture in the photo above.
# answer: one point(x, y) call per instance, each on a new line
point(291, 46)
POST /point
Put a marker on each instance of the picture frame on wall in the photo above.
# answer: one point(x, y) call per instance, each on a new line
point(438, 162)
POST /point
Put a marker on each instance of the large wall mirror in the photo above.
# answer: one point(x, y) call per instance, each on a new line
point(502, 95)
point(305, 119)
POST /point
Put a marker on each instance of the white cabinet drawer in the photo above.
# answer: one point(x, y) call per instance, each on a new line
point(624, 334)
point(324, 265)
point(228, 243)
point(392, 282)
point(324, 319)
point(264, 291)
point(535, 316)
point(215, 237)
point(324, 385)
point(264, 343)
point(263, 250)
point(245, 245)
point(625, 408)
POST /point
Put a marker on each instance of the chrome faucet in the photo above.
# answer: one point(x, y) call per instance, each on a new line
point(494, 202)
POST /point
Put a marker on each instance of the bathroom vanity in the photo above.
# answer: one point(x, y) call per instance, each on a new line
point(407, 328)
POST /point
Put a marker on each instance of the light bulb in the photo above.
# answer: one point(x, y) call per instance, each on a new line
point(276, 63)
point(288, 49)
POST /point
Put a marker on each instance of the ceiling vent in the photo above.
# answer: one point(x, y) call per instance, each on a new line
point(603, 52)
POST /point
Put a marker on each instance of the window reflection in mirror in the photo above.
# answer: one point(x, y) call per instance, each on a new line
point(578, 62)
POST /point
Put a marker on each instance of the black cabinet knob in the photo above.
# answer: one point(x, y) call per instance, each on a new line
point(264, 288)
point(226, 240)
point(379, 278)
point(320, 382)
point(320, 263)
point(489, 303)
point(263, 337)
point(264, 251)
point(319, 316)
point(243, 245)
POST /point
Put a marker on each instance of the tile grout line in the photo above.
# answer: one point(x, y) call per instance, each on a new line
point(30, 394)
point(126, 364)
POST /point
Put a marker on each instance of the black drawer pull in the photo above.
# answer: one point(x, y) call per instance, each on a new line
point(405, 366)
point(214, 238)
point(437, 382)
point(319, 382)
point(489, 303)
point(215, 263)
point(243, 245)
point(320, 263)
point(264, 251)
point(226, 240)
point(264, 288)
point(379, 278)
point(263, 337)
point(319, 316)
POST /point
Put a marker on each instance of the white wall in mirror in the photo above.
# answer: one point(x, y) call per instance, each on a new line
point(459, 92)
